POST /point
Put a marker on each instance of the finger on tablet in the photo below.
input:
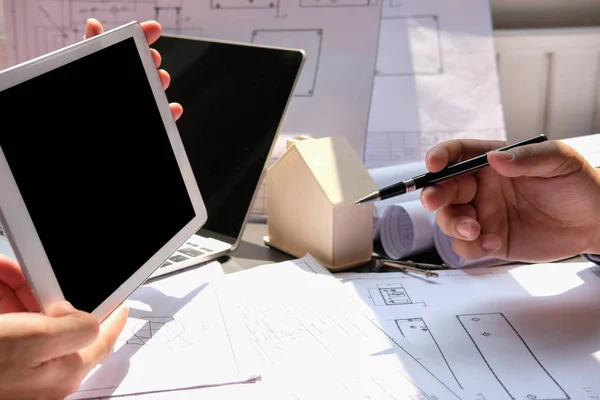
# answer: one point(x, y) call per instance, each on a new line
point(177, 110)
point(93, 27)
point(165, 78)
point(152, 29)
point(156, 56)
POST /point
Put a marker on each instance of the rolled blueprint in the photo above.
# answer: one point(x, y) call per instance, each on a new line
point(406, 229)
point(384, 176)
point(443, 245)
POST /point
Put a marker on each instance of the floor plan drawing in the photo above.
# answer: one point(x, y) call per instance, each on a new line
point(493, 331)
point(418, 333)
point(310, 40)
point(390, 294)
point(485, 330)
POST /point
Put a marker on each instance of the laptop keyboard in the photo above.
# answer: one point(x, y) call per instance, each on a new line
point(187, 251)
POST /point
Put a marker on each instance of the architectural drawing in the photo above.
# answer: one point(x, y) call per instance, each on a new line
point(486, 330)
point(392, 294)
point(409, 45)
point(389, 147)
point(250, 5)
point(152, 331)
point(173, 20)
point(244, 4)
point(329, 99)
point(338, 3)
point(58, 23)
point(416, 331)
point(310, 40)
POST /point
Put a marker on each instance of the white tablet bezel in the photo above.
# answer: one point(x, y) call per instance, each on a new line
point(17, 221)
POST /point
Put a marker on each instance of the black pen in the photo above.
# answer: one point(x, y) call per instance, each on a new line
point(431, 178)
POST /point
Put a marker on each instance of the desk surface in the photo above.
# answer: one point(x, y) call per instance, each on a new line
point(252, 251)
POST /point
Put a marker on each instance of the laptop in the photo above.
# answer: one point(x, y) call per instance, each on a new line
point(235, 97)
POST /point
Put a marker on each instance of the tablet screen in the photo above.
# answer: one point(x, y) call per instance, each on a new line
point(234, 98)
point(92, 159)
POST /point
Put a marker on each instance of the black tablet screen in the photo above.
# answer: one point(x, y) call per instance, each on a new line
point(234, 99)
point(94, 165)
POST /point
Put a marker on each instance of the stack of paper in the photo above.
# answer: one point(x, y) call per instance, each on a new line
point(290, 325)
point(294, 331)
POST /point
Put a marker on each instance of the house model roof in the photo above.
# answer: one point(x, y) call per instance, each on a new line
point(337, 168)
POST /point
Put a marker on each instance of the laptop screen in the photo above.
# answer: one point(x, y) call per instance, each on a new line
point(234, 98)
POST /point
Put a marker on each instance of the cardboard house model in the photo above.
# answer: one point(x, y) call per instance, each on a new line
point(311, 190)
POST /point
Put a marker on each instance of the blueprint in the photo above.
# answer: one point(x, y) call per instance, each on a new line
point(393, 76)
point(515, 332)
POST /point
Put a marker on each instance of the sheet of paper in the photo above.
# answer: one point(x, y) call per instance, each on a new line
point(406, 229)
point(435, 79)
point(175, 338)
point(513, 332)
point(308, 342)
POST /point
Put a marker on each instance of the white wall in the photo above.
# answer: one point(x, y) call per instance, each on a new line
point(549, 81)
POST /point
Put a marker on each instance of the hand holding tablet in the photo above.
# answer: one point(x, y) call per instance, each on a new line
point(78, 341)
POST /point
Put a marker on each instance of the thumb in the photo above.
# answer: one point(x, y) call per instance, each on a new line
point(546, 160)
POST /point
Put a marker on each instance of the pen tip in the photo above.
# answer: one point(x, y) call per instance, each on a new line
point(368, 198)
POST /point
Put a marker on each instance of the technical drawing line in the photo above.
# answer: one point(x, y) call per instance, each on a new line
point(430, 335)
point(337, 3)
point(352, 323)
point(226, 329)
point(307, 329)
point(491, 324)
point(308, 39)
point(407, 354)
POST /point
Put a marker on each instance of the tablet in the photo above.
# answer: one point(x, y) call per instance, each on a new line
point(91, 162)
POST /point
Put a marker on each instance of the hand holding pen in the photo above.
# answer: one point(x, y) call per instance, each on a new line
point(538, 201)
point(431, 178)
